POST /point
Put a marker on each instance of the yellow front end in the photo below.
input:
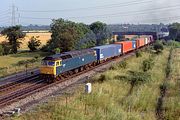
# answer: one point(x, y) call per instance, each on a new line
point(48, 67)
point(50, 70)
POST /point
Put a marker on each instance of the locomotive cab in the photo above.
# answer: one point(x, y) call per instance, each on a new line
point(48, 68)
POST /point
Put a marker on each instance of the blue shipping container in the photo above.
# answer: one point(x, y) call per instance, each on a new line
point(134, 44)
point(107, 51)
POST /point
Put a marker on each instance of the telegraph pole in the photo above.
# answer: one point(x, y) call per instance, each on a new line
point(13, 19)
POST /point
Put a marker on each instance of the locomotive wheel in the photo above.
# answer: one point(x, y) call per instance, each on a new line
point(81, 69)
point(86, 67)
point(76, 71)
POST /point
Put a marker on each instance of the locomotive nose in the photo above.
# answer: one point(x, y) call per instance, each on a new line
point(47, 70)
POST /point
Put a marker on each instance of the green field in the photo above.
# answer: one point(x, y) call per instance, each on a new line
point(111, 98)
point(9, 63)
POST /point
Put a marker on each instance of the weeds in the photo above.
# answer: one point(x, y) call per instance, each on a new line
point(147, 64)
point(121, 65)
point(138, 53)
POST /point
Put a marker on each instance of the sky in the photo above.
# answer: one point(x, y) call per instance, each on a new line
point(41, 12)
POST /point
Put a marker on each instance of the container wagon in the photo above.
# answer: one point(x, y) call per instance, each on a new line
point(127, 46)
point(107, 51)
point(140, 42)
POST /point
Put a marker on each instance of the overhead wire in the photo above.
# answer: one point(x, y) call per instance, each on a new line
point(95, 7)
point(129, 13)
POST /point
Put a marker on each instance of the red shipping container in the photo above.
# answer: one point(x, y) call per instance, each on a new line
point(126, 46)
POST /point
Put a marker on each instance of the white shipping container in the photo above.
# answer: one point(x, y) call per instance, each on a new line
point(146, 40)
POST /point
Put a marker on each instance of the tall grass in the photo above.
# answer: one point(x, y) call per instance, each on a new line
point(172, 104)
point(109, 99)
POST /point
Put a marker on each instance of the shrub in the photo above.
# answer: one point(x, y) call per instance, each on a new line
point(158, 46)
point(138, 54)
point(136, 77)
point(123, 64)
point(33, 44)
point(147, 64)
point(102, 78)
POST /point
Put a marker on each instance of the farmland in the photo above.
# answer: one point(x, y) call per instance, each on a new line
point(43, 37)
point(113, 96)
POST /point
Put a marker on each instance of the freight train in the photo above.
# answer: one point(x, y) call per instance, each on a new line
point(57, 66)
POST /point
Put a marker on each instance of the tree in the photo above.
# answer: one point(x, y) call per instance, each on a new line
point(101, 31)
point(34, 43)
point(174, 31)
point(158, 47)
point(13, 34)
point(66, 34)
point(88, 41)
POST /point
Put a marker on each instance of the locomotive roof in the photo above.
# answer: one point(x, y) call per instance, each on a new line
point(69, 54)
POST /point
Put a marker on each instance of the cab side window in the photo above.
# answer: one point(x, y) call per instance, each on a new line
point(57, 63)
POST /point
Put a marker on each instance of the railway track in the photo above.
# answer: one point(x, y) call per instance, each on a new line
point(41, 85)
point(8, 86)
point(20, 93)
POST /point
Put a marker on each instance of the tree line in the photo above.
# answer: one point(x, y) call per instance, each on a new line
point(66, 36)
point(174, 31)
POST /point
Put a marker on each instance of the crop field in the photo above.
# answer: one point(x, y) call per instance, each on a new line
point(43, 37)
point(114, 97)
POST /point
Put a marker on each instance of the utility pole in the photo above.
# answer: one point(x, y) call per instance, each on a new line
point(13, 19)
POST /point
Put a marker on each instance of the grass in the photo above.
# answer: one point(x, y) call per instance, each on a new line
point(172, 104)
point(8, 64)
point(110, 99)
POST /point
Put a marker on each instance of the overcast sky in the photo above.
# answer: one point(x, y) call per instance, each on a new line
point(87, 11)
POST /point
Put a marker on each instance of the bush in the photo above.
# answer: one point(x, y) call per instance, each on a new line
point(158, 46)
point(138, 54)
point(33, 44)
point(136, 77)
point(123, 64)
point(147, 64)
